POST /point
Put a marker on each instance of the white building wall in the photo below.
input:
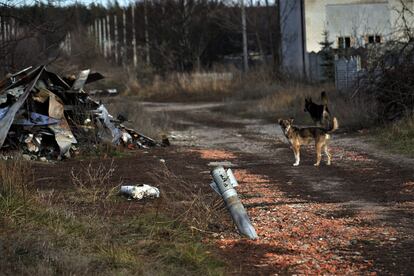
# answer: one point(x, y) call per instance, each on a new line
point(315, 18)
point(352, 18)
point(357, 21)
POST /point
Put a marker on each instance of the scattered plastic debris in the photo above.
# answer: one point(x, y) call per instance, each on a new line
point(141, 191)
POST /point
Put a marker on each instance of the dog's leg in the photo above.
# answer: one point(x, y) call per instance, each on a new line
point(296, 152)
point(318, 147)
point(325, 148)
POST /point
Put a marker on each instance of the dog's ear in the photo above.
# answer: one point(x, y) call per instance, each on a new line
point(291, 120)
point(279, 121)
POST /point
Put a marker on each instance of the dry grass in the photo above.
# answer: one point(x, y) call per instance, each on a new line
point(15, 179)
point(256, 93)
point(150, 124)
point(49, 233)
point(102, 150)
point(91, 184)
point(288, 102)
point(398, 136)
point(263, 94)
point(197, 86)
point(215, 85)
point(190, 205)
point(256, 84)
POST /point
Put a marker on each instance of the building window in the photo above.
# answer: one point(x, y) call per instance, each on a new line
point(340, 42)
point(372, 39)
point(347, 42)
point(344, 42)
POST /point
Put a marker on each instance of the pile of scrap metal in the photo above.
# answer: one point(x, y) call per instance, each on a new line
point(45, 116)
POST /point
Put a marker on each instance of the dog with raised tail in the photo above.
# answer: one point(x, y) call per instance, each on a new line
point(298, 136)
point(319, 112)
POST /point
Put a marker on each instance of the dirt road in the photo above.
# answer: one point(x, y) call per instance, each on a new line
point(353, 217)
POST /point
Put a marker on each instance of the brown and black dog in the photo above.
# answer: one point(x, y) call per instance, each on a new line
point(303, 136)
point(319, 112)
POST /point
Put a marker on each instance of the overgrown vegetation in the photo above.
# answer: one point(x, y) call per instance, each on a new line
point(397, 136)
point(50, 232)
point(15, 177)
point(387, 77)
point(197, 86)
point(258, 93)
point(328, 58)
point(288, 102)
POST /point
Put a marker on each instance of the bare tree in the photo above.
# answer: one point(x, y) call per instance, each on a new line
point(244, 32)
point(390, 69)
point(31, 34)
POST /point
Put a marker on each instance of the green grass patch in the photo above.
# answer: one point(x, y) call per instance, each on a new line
point(397, 137)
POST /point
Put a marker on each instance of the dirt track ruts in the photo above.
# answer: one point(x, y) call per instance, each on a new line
point(355, 216)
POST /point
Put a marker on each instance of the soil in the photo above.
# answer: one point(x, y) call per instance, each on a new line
point(353, 217)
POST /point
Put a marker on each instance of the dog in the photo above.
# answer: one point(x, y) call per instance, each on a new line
point(303, 136)
point(319, 112)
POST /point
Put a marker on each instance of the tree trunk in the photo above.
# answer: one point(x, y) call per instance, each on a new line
point(124, 46)
point(244, 31)
point(134, 39)
point(147, 40)
point(277, 49)
point(116, 37)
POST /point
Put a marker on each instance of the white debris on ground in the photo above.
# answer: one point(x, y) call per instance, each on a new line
point(140, 192)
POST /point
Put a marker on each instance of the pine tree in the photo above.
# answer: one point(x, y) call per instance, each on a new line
point(327, 57)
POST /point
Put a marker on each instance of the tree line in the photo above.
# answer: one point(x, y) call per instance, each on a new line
point(169, 35)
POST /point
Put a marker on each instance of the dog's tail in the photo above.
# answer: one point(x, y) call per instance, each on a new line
point(334, 125)
point(324, 98)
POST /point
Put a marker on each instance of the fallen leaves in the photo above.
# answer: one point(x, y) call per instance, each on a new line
point(343, 154)
point(408, 187)
point(214, 154)
point(297, 237)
